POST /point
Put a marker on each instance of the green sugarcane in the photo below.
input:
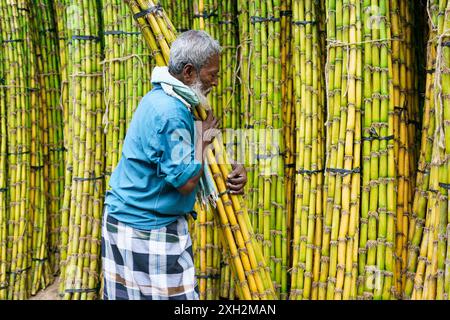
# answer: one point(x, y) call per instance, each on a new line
point(288, 117)
point(433, 282)
point(403, 149)
point(252, 115)
point(17, 52)
point(334, 134)
point(307, 153)
point(366, 231)
point(3, 177)
point(337, 160)
point(217, 258)
point(65, 34)
point(422, 182)
point(412, 80)
point(38, 212)
point(48, 64)
point(375, 261)
point(387, 115)
point(88, 161)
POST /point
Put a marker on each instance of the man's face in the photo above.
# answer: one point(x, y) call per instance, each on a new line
point(208, 74)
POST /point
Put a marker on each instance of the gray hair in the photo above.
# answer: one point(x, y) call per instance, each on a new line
point(192, 47)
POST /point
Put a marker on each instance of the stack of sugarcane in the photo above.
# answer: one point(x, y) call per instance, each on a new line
point(44, 105)
point(247, 261)
point(405, 100)
point(339, 252)
point(421, 209)
point(51, 156)
point(3, 174)
point(179, 11)
point(246, 43)
point(379, 182)
point(288, 115)
point(420, 39)
point(428, 252)
point(309, 156)
point(17, 100)
point(228, 90)
point(227, 281)
point(211, 260)
point(207, 252)
point(126, 70)
point(25, 267)
point(228, 87)
point(62, 10)
point(243, 22)
point(81, 215)
point(262, 117)
point(206, 18)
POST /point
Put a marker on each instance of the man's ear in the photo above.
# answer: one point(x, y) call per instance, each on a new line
point(189, 73)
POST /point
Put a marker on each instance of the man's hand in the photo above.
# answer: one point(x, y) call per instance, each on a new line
point(237, 179)
point(209, 127)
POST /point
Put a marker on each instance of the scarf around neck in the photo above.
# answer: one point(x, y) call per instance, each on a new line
point(174, 87)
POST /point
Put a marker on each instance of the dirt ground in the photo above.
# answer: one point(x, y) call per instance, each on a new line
point(50, 293)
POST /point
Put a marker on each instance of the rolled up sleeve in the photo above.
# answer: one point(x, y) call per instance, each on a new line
point(172, 148)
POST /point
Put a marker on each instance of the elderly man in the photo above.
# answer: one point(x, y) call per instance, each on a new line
point(146, 246)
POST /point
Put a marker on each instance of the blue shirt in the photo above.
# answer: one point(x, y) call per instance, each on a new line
point(158, 156)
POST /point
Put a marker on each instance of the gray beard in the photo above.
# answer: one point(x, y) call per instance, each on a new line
point(197, 88)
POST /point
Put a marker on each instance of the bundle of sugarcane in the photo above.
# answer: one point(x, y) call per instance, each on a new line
point(429, 253)
point(265, 139)
point(206, 17)
point(406, 111)
point(379, 197)
point(61, 10)
point(80, 267)
point(3, 175)
point(227, 283)
point(124, 51)
point(228, 90)
point(42, 124)
point(288, 116)
point(245, 61)
point(420, 205)
point(180, 13)
point(252, 123)
point(279, 258)
point(207, 253)
point(41, 270)
point(309, 113)
point(47, 55)
point(63, 25)
point(26, 223)
point(248, 262)
point(412, 63)
point(420, 39)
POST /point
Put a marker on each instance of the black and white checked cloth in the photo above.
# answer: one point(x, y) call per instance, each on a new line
point(147, 265)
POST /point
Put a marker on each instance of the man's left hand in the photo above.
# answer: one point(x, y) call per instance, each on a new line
point(237, 179)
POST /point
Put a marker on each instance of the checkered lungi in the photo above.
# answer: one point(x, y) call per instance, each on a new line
point(147, 265)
